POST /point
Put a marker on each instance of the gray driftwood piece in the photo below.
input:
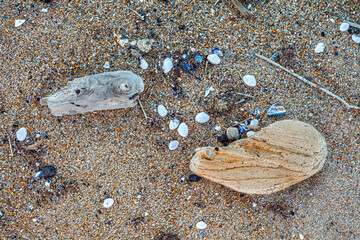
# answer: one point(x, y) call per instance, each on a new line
point(103, 91)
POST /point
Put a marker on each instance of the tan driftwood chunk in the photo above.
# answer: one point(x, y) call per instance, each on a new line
point(103, 91)
point(276, 157)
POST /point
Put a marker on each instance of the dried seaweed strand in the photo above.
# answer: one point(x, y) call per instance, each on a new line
point(306, 81)
point(11, 151)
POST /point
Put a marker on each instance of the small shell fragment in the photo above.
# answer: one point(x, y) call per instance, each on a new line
point(356, 38)
point(213, 58)
point(145, 44)
point(249, 80)
point(173, 145)
point(21, 134)
point(174, 124)
point(108, 202)
point(201, 225)
point(106, 65)
point(167, 65)
point(254, 122)
point(183, 130)
point(162, 110)
point(19, 22)
point(202, 117)
point(320, 48)
point(344, 27)
point(143, 64)
point(250, 133)
point(276, 110)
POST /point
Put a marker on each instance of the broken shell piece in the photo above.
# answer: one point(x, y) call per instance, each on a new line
point(19, 22)
point(145, 44)
point(254, 122)
point(249, 80)
point(173, 145)
point(201, 225)
point(202, 117)
point(35, 146)
point(167, 65)
point(183, 130)
point(344, 27)
point(250, 133)
point(174, 124)
point(21, 134)
point(108, 202)
point(320, 48)
point(110, 90)
point(356, 38)
point(162, 110)
point(232, 133)
point(278, 156)
point(143, 64)
point(213, 58)
point(276, 110)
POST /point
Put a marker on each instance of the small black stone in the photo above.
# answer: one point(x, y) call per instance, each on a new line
point(194, 178)
point(48, 171)
point(223, 139)
point(322, 34)
point(336, 53)
point(182, 27)
point(350, 30)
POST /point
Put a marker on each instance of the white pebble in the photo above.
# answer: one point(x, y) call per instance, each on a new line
point(146, 214)
point(356, 38)
point(44, 10)
point(133, 43)
point(320, 48)
point(344, 27)
point(183, 130)
point(254, 122)
point(217, 128)
point(174, 124)
point(106, 65)
point(21, 134)
point(208, 90)
point(108, 202)
point(213, 58)
point(143, 64)
point(249, 80)
point(167, 65)
point(254, 204)
point(250, 133)
point(173, 145)
point(19, 22)
point(332, 20)
point(201, 225)
point(202, 117)
point(162, 110)
point(123, 42)
point(47, 184)
point(301, 236)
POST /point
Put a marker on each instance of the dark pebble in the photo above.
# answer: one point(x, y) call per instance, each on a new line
point(223, 139)
point(48, 171)
point(322, 34)
point(194, 178)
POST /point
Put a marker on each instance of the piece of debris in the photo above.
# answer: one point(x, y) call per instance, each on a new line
point(275, 110)
point(162, 110)
point(306, 81)
point(201, 225)
point(19, 22)
point(46, 172)
point(106, 65)
point(320, 48)
point(208, 90)
point(167, 65)
point(21, 134)
point(183, 130)
point(194, 178)
point(173, 145)
point(249, 80)
point(356, 38)
point(174, 124)
point(143, 64)
point(109, 90)
point(145, 44)
point(108, 202)
point(213, 58)
point(35, 146)
point(250, 166)
point(202, 117)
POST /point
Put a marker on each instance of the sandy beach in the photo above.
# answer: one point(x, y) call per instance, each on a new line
point(120, 154)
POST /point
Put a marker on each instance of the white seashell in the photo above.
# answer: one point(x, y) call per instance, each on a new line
point(44, 10)
point(344, 27)
point(202, 117)
point(183, 130)
point(320, 48)
point(174, 124)
point(356, 38)
point(213, 58)
point(21, 134)
point(173, 145)
point(249, 80)
point(19, 22)
point(254, 122)
point(250, 133)
point(106, 65)
point(167, 65)
point(143, 64)
point(108, 202)
point(201, 225)
point(162, 110)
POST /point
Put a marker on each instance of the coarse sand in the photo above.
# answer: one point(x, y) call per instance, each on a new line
point(120, 154)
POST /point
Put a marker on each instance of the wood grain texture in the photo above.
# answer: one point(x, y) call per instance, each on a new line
point(103, 91)
point(278, 156)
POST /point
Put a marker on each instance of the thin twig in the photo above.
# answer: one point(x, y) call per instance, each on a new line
point(246, 95)
point(306, 81)
point(136, 13)
point(216, 3)
point(11, 151)
point(142, 109)
point(206, 65)
point(247, 119)
point(353, 24)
